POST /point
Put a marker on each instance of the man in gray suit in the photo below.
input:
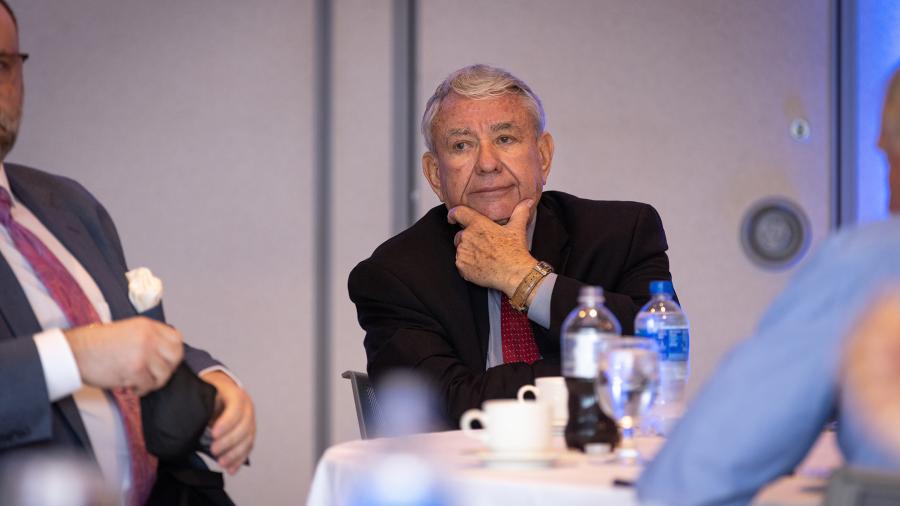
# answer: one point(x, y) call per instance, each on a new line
point(71, 345)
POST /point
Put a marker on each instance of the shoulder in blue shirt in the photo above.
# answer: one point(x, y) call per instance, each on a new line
point(765, 406)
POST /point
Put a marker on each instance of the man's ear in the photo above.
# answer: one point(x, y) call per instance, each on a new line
point(545, 149)
point(432, 174)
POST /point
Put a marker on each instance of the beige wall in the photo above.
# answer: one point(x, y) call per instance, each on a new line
point(193, 121)
point(684, 105)
point(362, 177)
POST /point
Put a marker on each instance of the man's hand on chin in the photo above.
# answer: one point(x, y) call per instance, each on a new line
point(491, 255)
point(233, 425)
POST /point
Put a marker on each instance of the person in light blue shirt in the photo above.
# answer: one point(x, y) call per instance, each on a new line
point(759, 414)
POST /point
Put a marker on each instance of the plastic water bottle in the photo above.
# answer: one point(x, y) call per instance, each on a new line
point(583, 334)
point(662, 319)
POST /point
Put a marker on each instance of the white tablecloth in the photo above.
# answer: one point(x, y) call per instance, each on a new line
point(573, 479)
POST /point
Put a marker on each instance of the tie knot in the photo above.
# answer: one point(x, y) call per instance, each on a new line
point(5, 206)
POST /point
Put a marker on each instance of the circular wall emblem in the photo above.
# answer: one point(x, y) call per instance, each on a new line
point(775, 233)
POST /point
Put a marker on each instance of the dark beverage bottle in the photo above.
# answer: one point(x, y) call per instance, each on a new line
point(583, 334)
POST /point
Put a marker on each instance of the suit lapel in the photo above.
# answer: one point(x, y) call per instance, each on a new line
point(21, 321)
point(477, 300)
point(17, 313)
point(550, 243)
point(71, 232)
point(44, 204)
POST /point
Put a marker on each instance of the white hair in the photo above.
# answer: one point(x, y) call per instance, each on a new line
point(480, 82)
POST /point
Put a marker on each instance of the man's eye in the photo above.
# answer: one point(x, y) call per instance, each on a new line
point(504, 139)
point(459, 146)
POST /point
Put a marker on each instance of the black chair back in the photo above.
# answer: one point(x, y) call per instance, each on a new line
point(367, 412)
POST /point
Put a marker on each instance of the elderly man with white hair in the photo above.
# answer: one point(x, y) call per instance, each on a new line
point(473, 295)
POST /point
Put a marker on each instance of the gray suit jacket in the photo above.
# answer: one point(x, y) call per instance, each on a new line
point(80, 223)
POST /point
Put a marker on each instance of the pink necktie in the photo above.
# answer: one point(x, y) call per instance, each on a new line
point(79, 311)
point(516, 336)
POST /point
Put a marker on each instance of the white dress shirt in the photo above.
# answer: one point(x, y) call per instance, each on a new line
point(97, 407)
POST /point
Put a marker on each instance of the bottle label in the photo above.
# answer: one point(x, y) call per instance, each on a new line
point(580, 351)
point(674, 343)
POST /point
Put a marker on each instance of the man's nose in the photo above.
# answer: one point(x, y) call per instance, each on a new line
point(487, 159)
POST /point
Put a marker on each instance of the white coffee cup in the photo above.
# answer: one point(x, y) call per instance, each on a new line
point(510, 426)
point(550, 390)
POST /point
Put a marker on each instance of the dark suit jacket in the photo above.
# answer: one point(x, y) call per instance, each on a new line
point(80, 223)
point(419, 313)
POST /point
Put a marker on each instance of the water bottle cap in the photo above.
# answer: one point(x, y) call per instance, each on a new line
point(657, 287)
point(591, 296)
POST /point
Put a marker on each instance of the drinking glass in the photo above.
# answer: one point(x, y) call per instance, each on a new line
point(627, 382)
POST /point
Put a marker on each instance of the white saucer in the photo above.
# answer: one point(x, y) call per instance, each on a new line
point(518, 460)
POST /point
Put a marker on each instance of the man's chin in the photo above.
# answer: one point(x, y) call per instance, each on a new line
point(500, 218)
point(499, 215)
point(496, 211)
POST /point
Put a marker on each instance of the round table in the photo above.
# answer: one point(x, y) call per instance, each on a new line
point(572, 479)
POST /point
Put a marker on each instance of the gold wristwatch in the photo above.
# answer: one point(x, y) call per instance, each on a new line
point(519, 300)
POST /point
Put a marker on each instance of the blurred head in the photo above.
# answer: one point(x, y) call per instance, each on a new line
point(487, 148)
point(53, 478)
point(889, 140)
point(408, 404)
point(11, 90)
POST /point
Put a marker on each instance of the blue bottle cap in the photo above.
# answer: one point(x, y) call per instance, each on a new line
point(657, 287)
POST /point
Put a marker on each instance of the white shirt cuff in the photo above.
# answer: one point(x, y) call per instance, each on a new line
point(60, 369)
point(539, 310)
point(223, 369)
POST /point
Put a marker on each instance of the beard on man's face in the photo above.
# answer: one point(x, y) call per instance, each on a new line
point(9, 129)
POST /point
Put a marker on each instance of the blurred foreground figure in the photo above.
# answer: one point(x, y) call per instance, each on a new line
point(773, 394)
point(53, 478)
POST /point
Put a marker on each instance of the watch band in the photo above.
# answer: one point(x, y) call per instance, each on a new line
point(519, 300)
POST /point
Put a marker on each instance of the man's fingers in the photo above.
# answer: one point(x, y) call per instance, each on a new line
point(457, 238)
point(169, 352)
point(223, 446)
point(170, 341)
point(463, 216)
point(520, 215)
point(233, 448)
point(225, 443)
point(144, 382)
point(233, 460)
point(226, 421)
point(160, 371)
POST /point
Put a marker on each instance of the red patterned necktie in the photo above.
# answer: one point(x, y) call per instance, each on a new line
point(515, 331)
point(79, 311)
